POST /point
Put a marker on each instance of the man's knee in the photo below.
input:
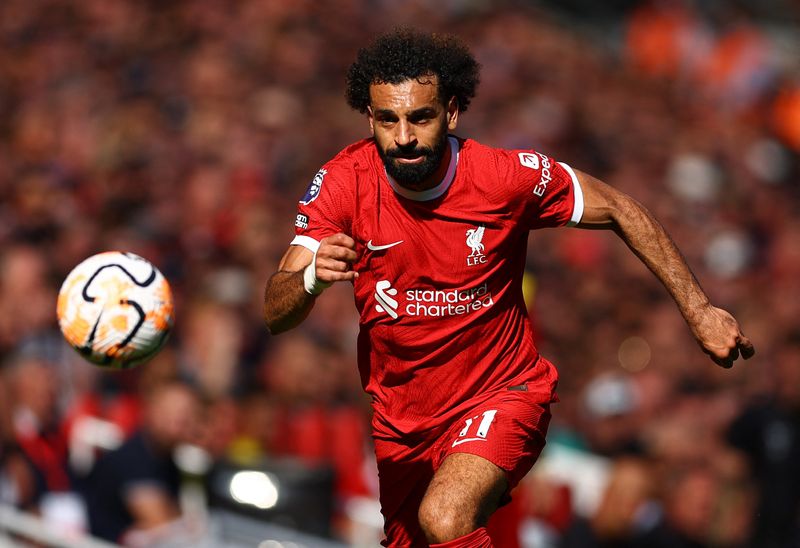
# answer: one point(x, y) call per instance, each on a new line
point(462, 495)
point(441, 520)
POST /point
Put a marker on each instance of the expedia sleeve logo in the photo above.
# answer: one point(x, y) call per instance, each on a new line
point(532, 161)
point(314, 188)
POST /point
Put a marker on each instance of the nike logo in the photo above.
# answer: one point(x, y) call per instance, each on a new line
point(459, 442)
point(380, 247)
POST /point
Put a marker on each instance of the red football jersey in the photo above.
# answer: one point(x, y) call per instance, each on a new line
point(442, 320)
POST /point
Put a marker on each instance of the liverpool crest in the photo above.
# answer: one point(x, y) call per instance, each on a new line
point(475, 243)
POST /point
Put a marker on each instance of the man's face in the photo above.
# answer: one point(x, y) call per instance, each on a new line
point(410, 125)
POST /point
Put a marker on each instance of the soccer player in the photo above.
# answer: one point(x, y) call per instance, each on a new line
point(431, 230)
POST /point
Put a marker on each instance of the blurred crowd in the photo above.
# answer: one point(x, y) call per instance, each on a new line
point(185, 132)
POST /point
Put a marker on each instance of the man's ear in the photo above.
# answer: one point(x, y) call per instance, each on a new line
point(452, 113)
point(371, 119)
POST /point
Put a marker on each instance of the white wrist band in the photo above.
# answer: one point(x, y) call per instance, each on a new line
point(312, 285)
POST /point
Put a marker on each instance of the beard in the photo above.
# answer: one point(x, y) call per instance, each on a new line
point(413, 175)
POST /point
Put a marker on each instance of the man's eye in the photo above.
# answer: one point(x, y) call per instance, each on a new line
point(421, 118)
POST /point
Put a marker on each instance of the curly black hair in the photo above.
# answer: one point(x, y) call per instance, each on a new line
point(404, 54)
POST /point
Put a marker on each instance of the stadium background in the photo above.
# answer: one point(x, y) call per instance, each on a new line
point(185, 132)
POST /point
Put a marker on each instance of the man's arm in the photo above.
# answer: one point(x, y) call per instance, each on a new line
point(290, 293)
point(716, 330)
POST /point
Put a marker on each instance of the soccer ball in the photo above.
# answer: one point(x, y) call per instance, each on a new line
point(115, 309)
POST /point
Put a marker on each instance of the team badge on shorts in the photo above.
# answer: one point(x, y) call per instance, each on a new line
point(314, 188)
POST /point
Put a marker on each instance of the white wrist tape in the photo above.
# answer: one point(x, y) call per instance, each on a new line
point(312, 285)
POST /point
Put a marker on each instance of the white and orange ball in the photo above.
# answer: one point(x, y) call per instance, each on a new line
point(115, 309)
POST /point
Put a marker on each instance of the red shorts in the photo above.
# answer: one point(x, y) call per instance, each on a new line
point(508, 430)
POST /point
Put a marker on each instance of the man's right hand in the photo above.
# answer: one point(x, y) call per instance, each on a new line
point(334, 259)
point(290, 293)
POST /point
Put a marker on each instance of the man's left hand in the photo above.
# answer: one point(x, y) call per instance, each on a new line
point(720, 337)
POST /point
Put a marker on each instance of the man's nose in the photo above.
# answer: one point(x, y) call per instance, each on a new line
point(404, 135)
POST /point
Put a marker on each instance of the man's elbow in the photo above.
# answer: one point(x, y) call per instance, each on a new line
point(274, 328)
point(280, 323)
point(274, 324)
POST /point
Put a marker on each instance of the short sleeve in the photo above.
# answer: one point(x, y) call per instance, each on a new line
point(549, 191)
point(323, 209)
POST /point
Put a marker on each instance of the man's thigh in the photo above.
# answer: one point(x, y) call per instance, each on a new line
point(508, 430)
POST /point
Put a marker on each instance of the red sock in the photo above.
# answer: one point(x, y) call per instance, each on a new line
point(479, 538)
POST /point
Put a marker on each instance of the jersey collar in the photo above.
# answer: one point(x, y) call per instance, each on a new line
point(438, 190)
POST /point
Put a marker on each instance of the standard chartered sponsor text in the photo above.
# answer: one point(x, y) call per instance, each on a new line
point(433, 302)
